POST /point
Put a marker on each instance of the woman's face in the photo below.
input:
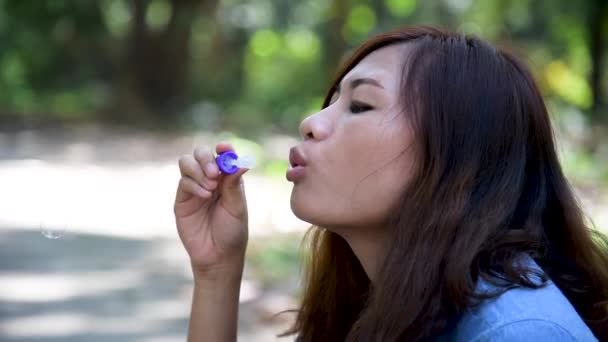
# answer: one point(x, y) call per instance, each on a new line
point(357, 151)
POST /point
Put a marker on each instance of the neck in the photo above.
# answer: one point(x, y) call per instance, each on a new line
point(366, 245)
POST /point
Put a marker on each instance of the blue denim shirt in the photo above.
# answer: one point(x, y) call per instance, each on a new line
point(522, 314)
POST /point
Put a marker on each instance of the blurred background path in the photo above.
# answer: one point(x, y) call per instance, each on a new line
point(118, 271)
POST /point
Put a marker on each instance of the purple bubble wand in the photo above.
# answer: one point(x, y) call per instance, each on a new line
point(229, 162)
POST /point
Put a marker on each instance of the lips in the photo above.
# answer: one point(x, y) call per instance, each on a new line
point(296, 158)
point(297, 164)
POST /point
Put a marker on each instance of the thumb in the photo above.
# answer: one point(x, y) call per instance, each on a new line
point(232, 190)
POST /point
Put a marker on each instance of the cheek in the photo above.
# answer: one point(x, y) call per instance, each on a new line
point(386, 172)
point(377, 194)
point(358, 179)
point(361, 199)
point(323, 197)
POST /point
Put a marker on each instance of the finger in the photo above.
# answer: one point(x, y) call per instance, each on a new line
point(223, 147)
point(233, 193)
point(189, 167)
point(188, 187)
point(206, 161)
point(233, 181)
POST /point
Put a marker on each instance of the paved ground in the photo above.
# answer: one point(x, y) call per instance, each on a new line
point(118, 271)
point(120, 185)
point(87, 287)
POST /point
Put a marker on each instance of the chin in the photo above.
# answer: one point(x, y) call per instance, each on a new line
point(311, 212)
point(299, 208)
point(304, 208)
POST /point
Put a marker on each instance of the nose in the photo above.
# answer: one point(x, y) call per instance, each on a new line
point(316, 126)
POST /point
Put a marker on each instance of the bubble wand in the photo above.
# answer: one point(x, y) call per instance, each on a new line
point(229, 162)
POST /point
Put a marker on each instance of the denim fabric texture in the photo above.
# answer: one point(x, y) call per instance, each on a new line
point(522, 314)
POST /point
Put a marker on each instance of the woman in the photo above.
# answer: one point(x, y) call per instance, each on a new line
point(439, 207)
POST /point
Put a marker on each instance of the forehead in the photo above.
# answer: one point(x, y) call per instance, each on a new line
point(383, 65)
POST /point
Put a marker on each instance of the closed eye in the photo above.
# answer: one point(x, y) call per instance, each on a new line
point(358, 107)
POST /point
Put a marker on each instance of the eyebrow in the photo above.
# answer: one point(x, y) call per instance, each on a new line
point(359, 81)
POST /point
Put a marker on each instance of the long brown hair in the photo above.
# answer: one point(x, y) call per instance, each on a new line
point(487, 188)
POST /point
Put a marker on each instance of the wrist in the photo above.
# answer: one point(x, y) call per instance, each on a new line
point(229, 272)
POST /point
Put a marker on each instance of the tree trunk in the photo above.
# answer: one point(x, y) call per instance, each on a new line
point(334, 45)
point(597, 47)
point(224, 62)
point(158, 61)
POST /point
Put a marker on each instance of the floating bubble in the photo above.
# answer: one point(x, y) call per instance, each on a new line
point(52, 233)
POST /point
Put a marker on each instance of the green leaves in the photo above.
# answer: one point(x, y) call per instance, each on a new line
point(261, 62)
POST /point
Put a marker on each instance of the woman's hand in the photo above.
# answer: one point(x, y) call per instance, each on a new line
point(211, 213)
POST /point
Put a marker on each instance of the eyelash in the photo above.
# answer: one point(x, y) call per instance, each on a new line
point(355, 107)
point(358, 107)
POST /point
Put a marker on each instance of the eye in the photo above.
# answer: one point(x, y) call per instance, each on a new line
point(358, 107)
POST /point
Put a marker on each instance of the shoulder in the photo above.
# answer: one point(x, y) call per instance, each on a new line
point(522, 313)
point(529, 329)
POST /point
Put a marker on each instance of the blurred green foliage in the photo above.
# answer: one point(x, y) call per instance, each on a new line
point(252, 65)
point(275, 260)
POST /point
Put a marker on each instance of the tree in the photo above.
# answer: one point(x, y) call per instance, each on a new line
point(157, 64)
point(598, 34)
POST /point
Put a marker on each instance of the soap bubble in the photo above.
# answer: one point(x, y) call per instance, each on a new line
point(52, 233)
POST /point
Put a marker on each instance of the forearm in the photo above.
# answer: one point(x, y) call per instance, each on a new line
point(215, 304)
